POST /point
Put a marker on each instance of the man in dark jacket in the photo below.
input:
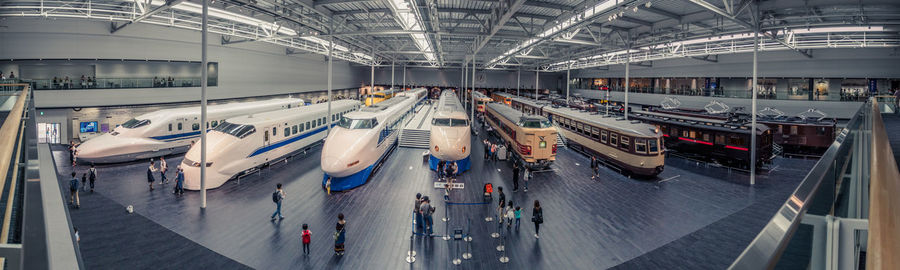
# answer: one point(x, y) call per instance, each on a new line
point(515, 176)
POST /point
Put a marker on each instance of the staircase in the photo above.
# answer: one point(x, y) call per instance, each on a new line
point(415, 138)
point(560, 140)
point(777, 150)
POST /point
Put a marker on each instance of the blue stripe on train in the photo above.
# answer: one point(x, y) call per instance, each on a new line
point(288, 141)
point(462, 164)
point(176, 136)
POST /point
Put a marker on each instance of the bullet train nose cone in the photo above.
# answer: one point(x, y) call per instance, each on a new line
point(335, 166)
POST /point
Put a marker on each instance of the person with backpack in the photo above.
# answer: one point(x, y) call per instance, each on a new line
point(537, 216)
point(518, 215)
point(427, 210)
point(340, 235)
point(419, 218)
point(150, 171)
point(73, 192)
point(305, 237)
point(277, 198)
point(92, 176)
point(510, 215)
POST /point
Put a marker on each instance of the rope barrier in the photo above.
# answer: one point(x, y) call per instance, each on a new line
point(467, 203)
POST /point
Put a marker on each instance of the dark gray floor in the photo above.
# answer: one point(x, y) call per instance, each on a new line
point(892, 128)
point(588, 224)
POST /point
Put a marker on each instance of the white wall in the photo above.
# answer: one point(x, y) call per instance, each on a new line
point(246, 69)
point(451, 77)
point(826, 63)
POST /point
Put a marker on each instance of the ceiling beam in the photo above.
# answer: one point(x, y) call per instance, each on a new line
point(747, 25)
point(318, 3)
point(635, 21)
point(504, 14)
point(169, 3)
point(361, 11)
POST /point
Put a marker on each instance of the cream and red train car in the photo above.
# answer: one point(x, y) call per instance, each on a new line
point(530, 138)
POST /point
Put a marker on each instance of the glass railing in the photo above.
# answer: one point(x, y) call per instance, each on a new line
point(745, 93)
point(824, 224)
point(13, 142)
point(116, 83)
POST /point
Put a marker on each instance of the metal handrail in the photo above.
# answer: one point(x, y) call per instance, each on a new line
point(884, 204)
point(9, 136)
point(770, 243)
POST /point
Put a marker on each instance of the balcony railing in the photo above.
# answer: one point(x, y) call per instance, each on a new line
point(115, 83)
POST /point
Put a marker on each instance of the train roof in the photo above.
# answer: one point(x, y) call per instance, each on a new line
point(283, 115)
point(380, 106)
point(480, 95)
point(449, 107)
point(504, 94)
point(212, 109)
point(706, 123)
point(607, 122)
point(512, 114)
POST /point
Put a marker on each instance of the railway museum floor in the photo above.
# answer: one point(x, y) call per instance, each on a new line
point(690, 217)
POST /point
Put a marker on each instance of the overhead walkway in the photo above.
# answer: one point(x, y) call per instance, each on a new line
point(845, 214)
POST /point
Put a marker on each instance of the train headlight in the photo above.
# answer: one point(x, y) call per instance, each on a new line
point(436, 149)
point(352, 163)
point(543, 144)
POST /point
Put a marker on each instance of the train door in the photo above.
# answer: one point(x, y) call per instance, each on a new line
point(266, 137)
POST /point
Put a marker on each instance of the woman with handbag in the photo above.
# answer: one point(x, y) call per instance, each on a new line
point(537, 216)
point(339, 235)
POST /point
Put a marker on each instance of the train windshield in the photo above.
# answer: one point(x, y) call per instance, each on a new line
point(349, 123)
point(236, 130)
point(449, 122)
point(535, 123)
point(135, 123)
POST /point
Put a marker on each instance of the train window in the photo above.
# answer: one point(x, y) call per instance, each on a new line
point(301, 127)
point(134, 123)
point(653, 145)
point(614, 139)
point(215, 123)
point(674, 132)
point(736, 141)
point(578, 127)
point(820, 131)
point(307, 125)
point(623, 143)
point(239, 131)
point(781, 129)
point(179, 126)
point(440, 122)
point(603, 135)
point(266, 137)
point(274, 132)
point(294, 129)
point(595, 133)
point(170, 126)
point(685, 133)
point(640, 146)
point(793, 130)
point(706, 137)
point(720, 139)
point(287, 131)
point(195, 126)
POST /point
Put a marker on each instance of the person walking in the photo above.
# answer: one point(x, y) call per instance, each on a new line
point(278, 197)
point(518, 215)
point(305, 238)
point(510, 214)
point(73, 192)
point(494, 149)
point(419, 218)
point(487, 149)
point(515, 176)
point(440, 170)
point(150, 171)
point(340, 235)
point(426, 210)
point(163, 168)
point(594, 165)
point(501, 204)
point(179, 180)
point(84, 182)
point(526, 177)
point(92, 176)
point(537, 216)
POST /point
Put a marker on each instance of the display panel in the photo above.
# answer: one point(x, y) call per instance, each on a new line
point(88, 127)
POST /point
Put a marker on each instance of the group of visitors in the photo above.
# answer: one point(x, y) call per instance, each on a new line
point(491, 150)
point(164, 82)
point(73, 153)
point(340, 233)
point(424, 213)
point(12, 75)
point(447, 170)
point(178, 189)
point(86, 82)
point(87, 180)
point(508, 212)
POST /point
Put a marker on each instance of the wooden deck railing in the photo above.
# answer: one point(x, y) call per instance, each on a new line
point(884, 201)
point(9, 132)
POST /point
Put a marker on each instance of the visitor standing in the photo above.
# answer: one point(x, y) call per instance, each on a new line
point(537, 216)
point(73, 192)
point(419, 219)
point(179, 180)
point(150, 171)
point(515, 176)
point(278, 197)
point(426, 210)
point(84, 182)
point(305, 238)
point(527, 177)
point(518, 215)
point(163, 168)
point(500, 206)
point(92, 176)
point(510, 214)
point(593, 167)
point(340, 235)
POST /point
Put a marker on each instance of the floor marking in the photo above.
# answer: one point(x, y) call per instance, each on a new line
point(577, 164)
point(410, 167)
point(444, 185)
point(776, 167)
point(670, 178)
point(498, 170)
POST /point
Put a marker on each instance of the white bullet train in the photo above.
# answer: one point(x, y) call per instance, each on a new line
point(243, 143)
point(168, 131)
point(451, 138)
point(363, 139)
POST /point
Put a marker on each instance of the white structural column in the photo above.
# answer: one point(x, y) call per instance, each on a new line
point(403, 88)
point(330, 48)
point(372, 78)
point(472, 108)
point(204, 79)
point(518, 80)
point(753, 107)
point(392, 72)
